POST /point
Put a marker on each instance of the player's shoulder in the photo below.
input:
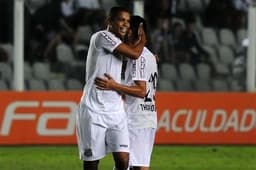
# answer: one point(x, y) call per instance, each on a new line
point(147, 52)
point(109, 36)
point(106, 38)
point(149, 56)
point(106, 33)
point(100, 33)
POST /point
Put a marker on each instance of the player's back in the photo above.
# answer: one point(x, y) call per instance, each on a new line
point(142, 111)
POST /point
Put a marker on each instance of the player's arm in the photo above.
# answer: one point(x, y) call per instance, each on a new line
point(133, 51)
point(137, 90)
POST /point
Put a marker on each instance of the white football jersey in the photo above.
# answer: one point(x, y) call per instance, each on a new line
point(142, 111)
point(100, 60)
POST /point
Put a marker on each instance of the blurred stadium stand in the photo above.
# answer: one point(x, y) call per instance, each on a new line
point(56, 47)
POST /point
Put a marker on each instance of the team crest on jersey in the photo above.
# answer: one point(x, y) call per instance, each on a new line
point(88, 152)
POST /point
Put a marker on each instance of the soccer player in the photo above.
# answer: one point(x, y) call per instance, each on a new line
point(101, 119)
point(140, 87)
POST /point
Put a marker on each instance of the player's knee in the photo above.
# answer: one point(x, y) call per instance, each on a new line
point(121, 161)
point(90, 165)
point(122, 164)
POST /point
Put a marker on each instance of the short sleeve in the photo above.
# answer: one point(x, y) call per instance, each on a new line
point(107, 41)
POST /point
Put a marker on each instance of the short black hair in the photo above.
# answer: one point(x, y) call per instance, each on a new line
point(114, 11)
point(135, 23)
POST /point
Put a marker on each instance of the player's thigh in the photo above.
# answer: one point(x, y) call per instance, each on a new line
point(117, 137)
point(91, 137)
point(141, 146)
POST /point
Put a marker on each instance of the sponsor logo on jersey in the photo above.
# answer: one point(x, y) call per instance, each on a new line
point(124, 146)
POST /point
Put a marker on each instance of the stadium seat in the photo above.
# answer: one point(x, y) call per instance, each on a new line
point(168, 71)
point(187, 72)
point(56, 84)
point(184, 85)
point(6, 71)
point(73, 84)
point(203, 71)
point(213, 53)
point(227, 38)
point(226, 55)
point(64, 53)
point(166, 85)
point(202, 85)
point(220, 85)
point(209, 37)
point(27, 71)
point(41, 70)
point(236, 86)
point(36, 84)
point(222, 69)
point(3, 85)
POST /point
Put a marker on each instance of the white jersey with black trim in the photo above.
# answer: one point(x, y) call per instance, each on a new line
point(100, 60)
point(142, 111)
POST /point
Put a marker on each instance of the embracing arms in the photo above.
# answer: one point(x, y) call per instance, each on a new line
point(133, 51)
point(108, 83)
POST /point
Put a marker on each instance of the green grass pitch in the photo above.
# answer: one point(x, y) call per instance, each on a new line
point(168, 157)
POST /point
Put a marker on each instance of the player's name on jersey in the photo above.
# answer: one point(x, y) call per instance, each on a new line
point(148, 107)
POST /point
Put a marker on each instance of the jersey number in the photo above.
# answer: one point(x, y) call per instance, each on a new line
point(153, 82)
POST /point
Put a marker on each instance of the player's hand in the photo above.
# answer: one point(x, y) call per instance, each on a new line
point(107, 83)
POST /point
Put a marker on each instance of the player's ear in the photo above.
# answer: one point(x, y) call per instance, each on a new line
point(108, 23)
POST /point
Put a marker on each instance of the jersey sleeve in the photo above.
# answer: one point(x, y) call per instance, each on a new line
point(139, 69)
point(107, 41)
